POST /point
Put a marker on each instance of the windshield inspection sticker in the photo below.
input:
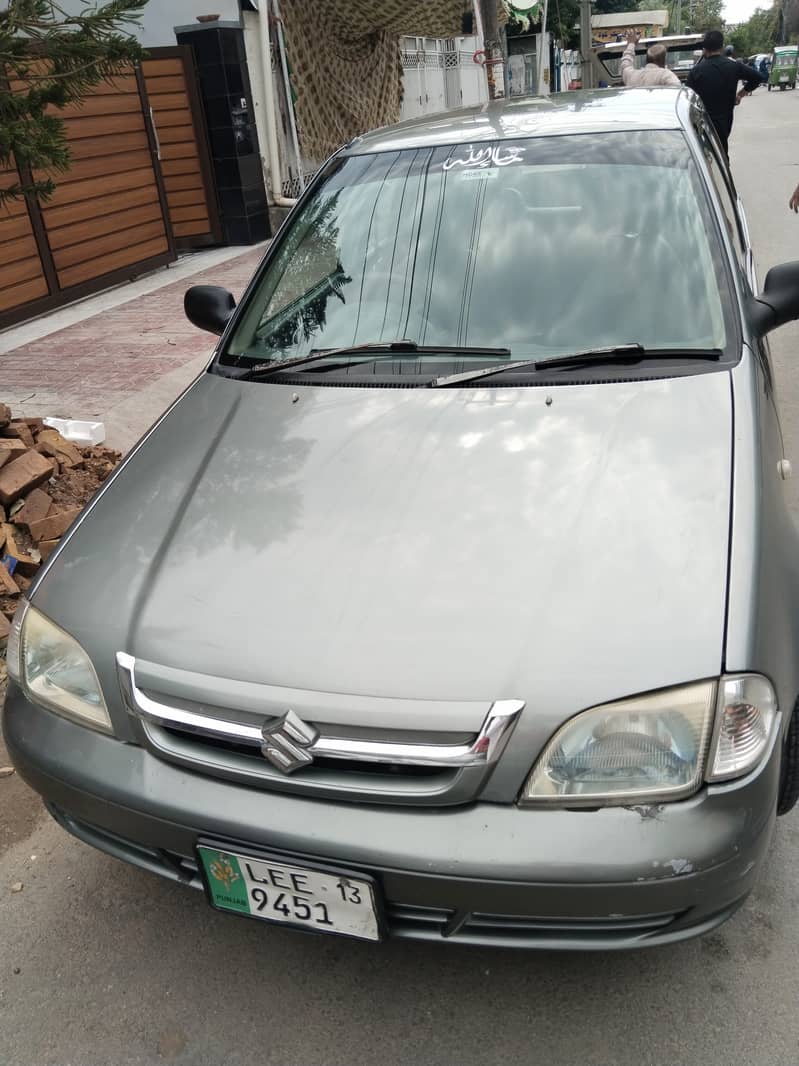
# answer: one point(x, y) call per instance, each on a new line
point(478, 175)
point(483, 158)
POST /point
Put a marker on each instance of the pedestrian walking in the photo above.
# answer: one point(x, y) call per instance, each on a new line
point(715, 80)
point(654, 73)
point(793, 203)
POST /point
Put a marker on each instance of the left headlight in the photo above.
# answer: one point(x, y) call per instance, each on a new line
point(54, 670)
point(644, 749)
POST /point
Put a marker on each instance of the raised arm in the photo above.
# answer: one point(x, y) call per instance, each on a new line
point(628, 57)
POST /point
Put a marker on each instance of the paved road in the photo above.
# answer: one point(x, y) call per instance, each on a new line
point(117, 968)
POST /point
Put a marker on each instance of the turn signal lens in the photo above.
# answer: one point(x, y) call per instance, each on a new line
point(13, 648)
point(744, 722)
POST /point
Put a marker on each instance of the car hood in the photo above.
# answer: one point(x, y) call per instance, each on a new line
point(565, 546)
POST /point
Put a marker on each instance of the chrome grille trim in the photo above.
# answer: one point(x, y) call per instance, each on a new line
point(483, 751)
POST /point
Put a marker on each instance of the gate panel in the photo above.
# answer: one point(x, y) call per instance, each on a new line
point(22, 277)
point(97, 186)
point(107, 219)
point(177, 110)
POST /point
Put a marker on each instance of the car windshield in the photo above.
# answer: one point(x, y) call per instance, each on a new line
point(542, 246)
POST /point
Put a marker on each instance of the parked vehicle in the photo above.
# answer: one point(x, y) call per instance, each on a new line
point(783, 67)
point(606, 58)
point(458, 600)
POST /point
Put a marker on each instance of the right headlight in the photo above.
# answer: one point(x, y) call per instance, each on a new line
point(654, 747)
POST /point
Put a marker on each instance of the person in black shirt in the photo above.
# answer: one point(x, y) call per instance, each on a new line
point(715, 79)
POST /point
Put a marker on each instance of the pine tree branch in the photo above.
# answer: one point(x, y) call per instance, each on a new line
point(78, 52)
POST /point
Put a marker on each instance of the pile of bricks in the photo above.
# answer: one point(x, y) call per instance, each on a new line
point(45, 482)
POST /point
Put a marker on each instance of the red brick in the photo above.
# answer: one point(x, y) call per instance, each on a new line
point(47, 547)
point(50, 442)
point(54, 525)
point(37, 506)
point(8, 444)
point(20, 431)
point(20, 476)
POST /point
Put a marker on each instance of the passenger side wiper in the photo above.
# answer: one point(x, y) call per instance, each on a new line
point(388, 348)
point(615, 354)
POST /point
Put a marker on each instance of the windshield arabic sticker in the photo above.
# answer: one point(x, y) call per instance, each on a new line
point(482, 158)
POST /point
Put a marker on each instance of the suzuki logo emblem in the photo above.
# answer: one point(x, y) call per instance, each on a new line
point(287, 741)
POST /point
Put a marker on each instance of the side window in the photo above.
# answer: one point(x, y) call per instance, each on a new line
point(718, 176)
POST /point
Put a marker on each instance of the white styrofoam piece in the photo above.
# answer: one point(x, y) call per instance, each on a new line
point(83, 433)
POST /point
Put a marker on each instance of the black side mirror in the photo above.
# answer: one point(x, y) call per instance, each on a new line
point(209, 307)
point(778, 303)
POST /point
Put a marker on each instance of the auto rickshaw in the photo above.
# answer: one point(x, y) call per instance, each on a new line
point(783, 67)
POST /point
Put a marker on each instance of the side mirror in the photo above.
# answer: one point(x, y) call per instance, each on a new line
point(209, 307)
point(778, 303)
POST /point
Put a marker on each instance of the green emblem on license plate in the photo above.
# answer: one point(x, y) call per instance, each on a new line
point(225, 880)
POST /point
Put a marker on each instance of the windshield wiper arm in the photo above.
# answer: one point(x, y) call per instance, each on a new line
point(615, 353)
point(320, 355)
point(387, 348)
point(522, 364)
point(628, 351)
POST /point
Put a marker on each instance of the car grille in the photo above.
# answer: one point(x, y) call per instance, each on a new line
point(382, 782)
point(381, 769)
point(474, 927)
point(277, 749)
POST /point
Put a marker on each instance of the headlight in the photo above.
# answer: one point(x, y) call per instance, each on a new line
point(747, 710)
point(54, 670)
point(648, 748)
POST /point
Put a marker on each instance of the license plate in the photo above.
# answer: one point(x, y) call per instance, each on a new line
point(782, 79)
point(307, 897)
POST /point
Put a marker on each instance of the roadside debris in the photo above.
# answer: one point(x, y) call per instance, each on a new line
point(45, 482)
point(84, 434)
point(17, 886)
point(6, 771)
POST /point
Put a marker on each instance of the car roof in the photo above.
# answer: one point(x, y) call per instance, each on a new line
point(592, 111)
point(675, 43)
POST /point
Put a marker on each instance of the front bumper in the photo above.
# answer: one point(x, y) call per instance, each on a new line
point(483, 874)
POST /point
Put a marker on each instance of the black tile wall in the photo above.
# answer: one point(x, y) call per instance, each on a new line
point(225, 89)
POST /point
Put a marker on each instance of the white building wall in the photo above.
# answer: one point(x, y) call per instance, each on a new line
point(252, 48)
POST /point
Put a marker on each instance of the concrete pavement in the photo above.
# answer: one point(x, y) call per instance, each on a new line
point(117, 968)
point(119, 357)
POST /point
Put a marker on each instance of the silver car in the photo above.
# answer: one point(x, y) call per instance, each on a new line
point(458, 599)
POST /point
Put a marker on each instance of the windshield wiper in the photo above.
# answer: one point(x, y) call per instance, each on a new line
point(616, 353)
point(387, 348)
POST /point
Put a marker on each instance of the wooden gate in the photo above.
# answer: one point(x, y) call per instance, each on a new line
point(107, 220)
point(22, 278)
point(171, 81)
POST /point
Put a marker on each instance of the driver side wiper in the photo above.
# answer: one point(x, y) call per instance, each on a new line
point(614, 354)
point(387, 348)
